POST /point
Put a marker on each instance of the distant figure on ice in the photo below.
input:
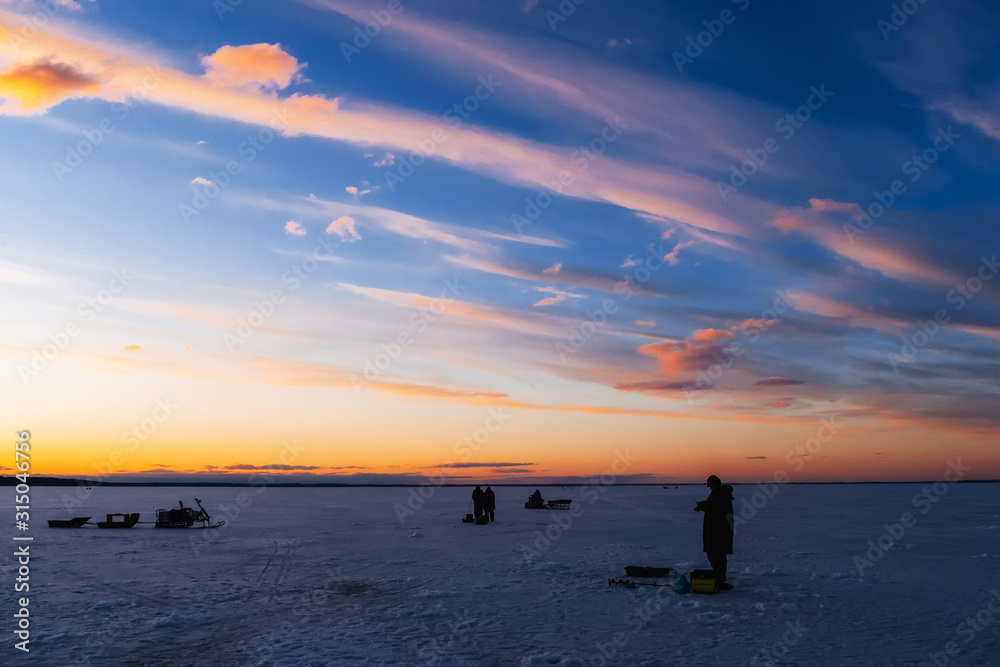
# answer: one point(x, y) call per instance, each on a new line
point(717, 530)
point(535, 500)
point(477, 502)
point(489, 504)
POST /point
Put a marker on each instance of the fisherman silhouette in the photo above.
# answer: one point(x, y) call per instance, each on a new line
point(477, 502)
point(489, 504)
point(717, 529)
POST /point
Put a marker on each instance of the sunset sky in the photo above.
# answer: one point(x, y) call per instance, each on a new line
point(501, 241)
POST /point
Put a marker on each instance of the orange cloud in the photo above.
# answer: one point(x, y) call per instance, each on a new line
point(252, 66)
point(294, 228)
point(548, 301)
point(41, 84)
point(344, 228)
point(690, 353)
point(643, 323)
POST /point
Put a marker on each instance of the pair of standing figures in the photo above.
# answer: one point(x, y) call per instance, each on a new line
point(484, 503)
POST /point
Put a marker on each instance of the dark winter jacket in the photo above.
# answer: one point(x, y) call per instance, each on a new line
point(489, 500)
point(717, 530)
point(477, 497)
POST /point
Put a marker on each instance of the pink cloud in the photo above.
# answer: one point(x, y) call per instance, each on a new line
point(344, 228)
point(294, 228)
point(671, 257)
point(252, 66)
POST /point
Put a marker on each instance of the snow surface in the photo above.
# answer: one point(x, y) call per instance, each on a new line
point(331, 576)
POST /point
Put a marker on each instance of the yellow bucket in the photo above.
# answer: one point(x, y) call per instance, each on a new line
point(703, 581)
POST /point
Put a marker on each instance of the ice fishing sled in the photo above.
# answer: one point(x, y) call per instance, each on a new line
point(536, 503)
point(127, 520)
point(75, 522)
point(651, 572)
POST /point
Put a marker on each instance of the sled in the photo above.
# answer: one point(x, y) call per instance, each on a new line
point(128, 520)
point(652, 572)
point(68, 523)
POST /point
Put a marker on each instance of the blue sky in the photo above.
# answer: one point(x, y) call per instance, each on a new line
point(680, 269)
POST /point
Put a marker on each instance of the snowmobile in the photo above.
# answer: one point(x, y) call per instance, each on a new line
point(185, 517)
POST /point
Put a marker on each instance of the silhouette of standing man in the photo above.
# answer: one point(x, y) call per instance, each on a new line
point(717, 530)
point(477, 501)
point(489, 504)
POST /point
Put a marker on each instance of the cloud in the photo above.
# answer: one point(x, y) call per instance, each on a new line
point(663, 191)
point(273, 466)
point(671, 257)
point(761, 458)
point(552, 300)
point(783, 403)
point(689, 354)
point(819, 224)
point(552, 270)
point(259, 67)
point(33, 87)
point(661, 386)
point(133, 348)
point(350, 189)
point(775, 381)
point(642, 323)
point(484, 464)
point(200, 181)
point(294, 228)
point(388, 161)
point(344, 228)
point(630, 262)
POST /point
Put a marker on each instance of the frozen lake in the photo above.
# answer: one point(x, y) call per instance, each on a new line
point(331, 576)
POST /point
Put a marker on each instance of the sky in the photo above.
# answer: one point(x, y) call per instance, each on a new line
point(524, 240)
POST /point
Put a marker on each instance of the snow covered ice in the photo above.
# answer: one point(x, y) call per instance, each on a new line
point(332, 576)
